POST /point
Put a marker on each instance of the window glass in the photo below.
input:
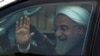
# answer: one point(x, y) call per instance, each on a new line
point(60, 28)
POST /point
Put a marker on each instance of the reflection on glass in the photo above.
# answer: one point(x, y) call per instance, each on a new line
point(56, 29)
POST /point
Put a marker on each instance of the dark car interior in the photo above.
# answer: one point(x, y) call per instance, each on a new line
point(42, 22)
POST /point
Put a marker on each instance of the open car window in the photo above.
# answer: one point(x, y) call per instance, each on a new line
point(42, 17)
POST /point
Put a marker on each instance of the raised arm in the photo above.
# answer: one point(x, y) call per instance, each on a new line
point(23, 35)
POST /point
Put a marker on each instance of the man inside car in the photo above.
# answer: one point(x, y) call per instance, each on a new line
point(70, 26)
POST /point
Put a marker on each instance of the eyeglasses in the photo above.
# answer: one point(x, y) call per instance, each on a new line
point(63, 27)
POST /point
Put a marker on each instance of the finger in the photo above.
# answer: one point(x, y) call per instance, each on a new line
point(24, 23)
point(17, 25)
point(28, 22)
point(21, 22)
point(31, 34)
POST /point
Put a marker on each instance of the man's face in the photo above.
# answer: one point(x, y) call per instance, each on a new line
point(66, 29)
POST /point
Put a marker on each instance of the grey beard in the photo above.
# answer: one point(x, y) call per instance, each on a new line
point(65, 47)
point(61, 48)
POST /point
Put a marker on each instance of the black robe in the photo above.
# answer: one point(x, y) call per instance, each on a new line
point(43, 48)
point(46, 49)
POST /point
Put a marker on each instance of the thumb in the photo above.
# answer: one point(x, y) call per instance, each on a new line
point(31, 34)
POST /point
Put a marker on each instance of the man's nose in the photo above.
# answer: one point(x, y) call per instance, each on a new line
point(59, 32)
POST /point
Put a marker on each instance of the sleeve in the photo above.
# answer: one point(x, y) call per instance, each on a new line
point(24, 50)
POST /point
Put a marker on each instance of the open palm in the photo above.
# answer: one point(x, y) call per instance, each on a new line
point(23, 34)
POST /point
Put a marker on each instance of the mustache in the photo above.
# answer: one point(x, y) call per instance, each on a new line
point(62, 37)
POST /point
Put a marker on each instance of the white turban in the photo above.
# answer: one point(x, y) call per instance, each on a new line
point(76, 13)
